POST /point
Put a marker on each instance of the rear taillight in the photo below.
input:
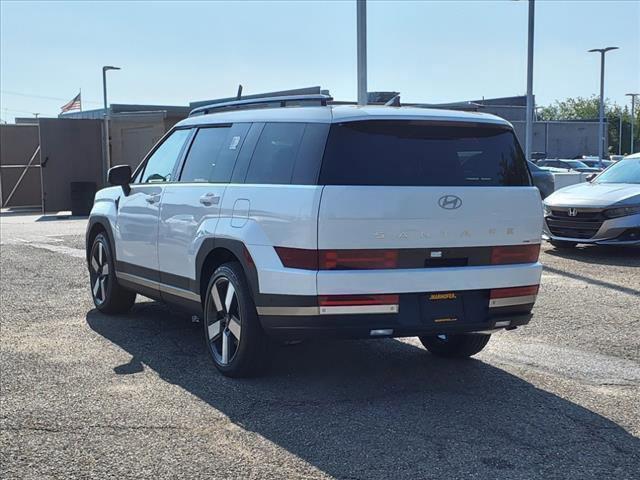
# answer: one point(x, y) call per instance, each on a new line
point(357, 259)
point(357, 300)
point(514, 292)
point(515, 254)
point(337, 259)
point(298, 258)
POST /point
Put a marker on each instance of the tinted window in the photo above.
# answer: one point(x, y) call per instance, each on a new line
point(229, 153)
point(159, 167)
point(203, 155)
point(422, 154)
point(275, 154)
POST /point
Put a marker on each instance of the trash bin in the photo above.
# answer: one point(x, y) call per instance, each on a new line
point(82, 194)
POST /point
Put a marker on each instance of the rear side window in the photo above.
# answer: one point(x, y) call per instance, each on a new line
point(275, 154)
point(213, 152)
point(202, 158)
point(422, 153)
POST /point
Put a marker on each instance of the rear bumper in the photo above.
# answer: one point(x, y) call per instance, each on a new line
point(296, 318)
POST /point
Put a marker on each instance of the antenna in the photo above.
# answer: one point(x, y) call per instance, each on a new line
point(239, 92)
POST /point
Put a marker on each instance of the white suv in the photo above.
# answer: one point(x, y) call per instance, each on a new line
point(324, 220)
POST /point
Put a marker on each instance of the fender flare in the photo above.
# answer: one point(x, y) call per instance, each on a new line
point(103, 221)
point(239, 250)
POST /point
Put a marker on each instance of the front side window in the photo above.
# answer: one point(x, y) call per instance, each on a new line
point(160, 165)
point(275, 154)
point(422, 153)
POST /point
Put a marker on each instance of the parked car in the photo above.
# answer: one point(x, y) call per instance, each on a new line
point(604, 211)
point(596, 163)
point(575, 165)
point(342, 221)
point(542, 179)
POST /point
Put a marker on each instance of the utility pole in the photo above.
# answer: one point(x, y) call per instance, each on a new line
point(601, 136)
point(620, 135)
point(633, 116)
point(106, 158)
point(361, 14)
point(528, 138)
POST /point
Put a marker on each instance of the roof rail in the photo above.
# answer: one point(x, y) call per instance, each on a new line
point(248, 103)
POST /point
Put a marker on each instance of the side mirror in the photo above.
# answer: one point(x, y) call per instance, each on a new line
point(120, 175)
point(590, 177)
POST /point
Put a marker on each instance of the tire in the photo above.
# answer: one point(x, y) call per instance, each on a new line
point(108, 296)
point(562, 244)
point(455, 346)
point(232, 331)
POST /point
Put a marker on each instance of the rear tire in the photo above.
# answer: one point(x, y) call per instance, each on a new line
point(562, 244)
point(454, 346)
point(108, 296)
point(232, 331)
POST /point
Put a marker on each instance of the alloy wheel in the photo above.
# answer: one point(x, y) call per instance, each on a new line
point(99, 273)
point(224, 325)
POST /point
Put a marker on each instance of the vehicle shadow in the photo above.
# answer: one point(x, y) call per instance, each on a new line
point(383, 409)
point(600, 254)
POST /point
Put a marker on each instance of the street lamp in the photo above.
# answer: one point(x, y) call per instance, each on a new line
point(528, 138)
point(633, 113)
point(602, 51)
point(361, 34)
point(107, 154)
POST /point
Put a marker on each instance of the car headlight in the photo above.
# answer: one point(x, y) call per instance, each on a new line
point(547, 210)
point(622, 211)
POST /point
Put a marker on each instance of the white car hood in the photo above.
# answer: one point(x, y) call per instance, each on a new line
point(595, 195)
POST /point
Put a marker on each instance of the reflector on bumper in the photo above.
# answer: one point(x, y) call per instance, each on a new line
point(506, 297)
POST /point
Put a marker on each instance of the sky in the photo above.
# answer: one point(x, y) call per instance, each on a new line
point(172, 53)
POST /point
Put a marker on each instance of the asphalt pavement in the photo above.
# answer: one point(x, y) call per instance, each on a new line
point(85, 395)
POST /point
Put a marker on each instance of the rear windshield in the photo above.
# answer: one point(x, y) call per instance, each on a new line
point(422, 153)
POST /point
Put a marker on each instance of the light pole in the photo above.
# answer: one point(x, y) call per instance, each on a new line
point(107, 153)
point(528, 138)
point(602, 51)
point(633, 114)
point(361, 21)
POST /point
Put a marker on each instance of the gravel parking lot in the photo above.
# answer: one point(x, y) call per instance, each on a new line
point(84, 395)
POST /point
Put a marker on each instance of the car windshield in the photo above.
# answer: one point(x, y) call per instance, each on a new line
point(626, 171)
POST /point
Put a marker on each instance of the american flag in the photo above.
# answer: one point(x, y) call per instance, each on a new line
point(75, 104)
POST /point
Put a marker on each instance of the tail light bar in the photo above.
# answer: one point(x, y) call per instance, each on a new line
point(510, 254)
point(376, 259)
point(337, 259)
point(357, 259)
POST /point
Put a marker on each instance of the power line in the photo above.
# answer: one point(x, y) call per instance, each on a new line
point(25, 111)
point(20, 94)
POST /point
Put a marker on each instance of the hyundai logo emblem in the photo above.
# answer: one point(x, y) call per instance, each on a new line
point(450, 202)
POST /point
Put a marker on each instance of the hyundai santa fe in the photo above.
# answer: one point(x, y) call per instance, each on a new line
point(319, 220)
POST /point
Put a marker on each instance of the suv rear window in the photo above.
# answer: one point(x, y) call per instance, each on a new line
point(422, 153)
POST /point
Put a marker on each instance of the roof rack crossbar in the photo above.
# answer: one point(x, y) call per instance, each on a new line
point(248, 103)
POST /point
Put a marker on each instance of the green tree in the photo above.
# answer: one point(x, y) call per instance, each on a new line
point(580, 108)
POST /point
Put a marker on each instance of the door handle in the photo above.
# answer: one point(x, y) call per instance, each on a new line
point(152, 198)
point(209, 199)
